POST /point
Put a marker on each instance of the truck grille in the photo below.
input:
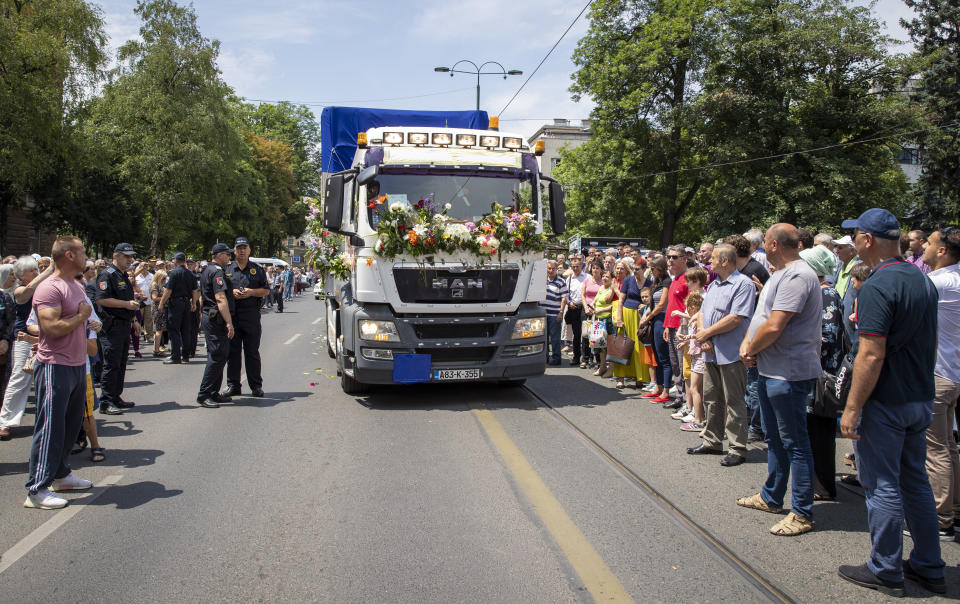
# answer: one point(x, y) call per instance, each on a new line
point(418, 284)
point(480, 354)
point(458, 331)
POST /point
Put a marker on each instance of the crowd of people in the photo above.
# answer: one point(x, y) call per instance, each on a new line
point(68, 325)
point(788, 337)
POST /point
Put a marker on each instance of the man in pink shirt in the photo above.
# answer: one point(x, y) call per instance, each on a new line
point(62, 312)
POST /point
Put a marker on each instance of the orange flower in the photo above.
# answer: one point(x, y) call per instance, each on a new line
point(382, 198)
point(413, 236)
point(369, 261)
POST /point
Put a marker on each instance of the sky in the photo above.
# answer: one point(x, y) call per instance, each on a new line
point(382, 53)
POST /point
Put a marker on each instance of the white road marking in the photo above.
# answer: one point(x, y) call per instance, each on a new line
point(317, 320)
point(46, 529)
point(291, 340)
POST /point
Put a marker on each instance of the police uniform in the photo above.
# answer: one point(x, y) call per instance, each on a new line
point(194, 316)
point(115, 334)
point(246, 326)
point(212, 281)
point(181, 283)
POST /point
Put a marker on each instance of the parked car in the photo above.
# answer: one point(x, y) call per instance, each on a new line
point(318, 290)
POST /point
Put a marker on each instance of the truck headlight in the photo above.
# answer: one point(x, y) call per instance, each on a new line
point(528, 328)
point(379, 331)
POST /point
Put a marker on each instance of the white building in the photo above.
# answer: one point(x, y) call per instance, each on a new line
point(561, 134)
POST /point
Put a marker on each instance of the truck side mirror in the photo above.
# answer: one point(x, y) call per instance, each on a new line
point(333, 203)
point(367, 174)
point(558, 209)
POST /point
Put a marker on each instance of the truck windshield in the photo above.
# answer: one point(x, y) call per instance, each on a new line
point(470, 196)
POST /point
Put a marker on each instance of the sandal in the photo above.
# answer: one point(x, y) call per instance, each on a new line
point(792, 525)
point(850, 480)
point(619, 384)
point(756, 502)
point(80, 446)
point(851, 460)
point(97, 455)
point(583, 365)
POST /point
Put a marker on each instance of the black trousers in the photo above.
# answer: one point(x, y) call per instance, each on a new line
point(823, 443)
point(218, 351)
point(116, 349)
point(574, 318)
point(194, 331)
point(180, 327)
point(61, 396)
point(245, 342)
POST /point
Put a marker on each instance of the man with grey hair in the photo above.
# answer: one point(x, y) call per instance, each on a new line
point(706, 251)
point(755, 237)
point(825, 239)
point(728, 303)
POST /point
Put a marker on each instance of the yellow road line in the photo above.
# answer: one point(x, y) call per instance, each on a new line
point(602, 584)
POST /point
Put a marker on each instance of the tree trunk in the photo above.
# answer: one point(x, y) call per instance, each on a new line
point(670, 214)
point(155, 231)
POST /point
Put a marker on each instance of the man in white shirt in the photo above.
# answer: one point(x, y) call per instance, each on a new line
point(941, 253)
point(144, 277)
point(574, 316)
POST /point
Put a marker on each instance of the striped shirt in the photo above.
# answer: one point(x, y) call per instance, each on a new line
point(556, 291)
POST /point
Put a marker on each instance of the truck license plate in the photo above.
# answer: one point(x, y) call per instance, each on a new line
point(456, 374)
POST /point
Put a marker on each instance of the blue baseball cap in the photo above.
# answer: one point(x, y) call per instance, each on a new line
point(219, 247)
point(241, 241)
point(125, 248)
point(876, 221)
point(180, 256)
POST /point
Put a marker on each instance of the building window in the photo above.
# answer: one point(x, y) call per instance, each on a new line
point(909, 156)
point(554, 162)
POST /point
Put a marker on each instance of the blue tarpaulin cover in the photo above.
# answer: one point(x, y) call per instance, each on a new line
point(411, 368)
point(339, 127)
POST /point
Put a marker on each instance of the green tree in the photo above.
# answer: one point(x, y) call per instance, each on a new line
point(642, 63)
point(295, 126)
point(166, 110)
point(794, 75)
point(936, 32)
point(51, 53)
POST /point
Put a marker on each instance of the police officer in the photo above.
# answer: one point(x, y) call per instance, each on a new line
point(217, 310)
point(116, 296)
point(194, 270)
point(249, 286)
point(183, 294)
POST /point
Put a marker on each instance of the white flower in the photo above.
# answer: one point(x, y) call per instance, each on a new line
point(447, 206)
point(458, 232)
point(378, 246)
point(399, 205)
point(420, 229)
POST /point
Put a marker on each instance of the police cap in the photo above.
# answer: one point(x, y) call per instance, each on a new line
point(241, 241)
point(220, 247)
point(180, 256)
point(125, 248)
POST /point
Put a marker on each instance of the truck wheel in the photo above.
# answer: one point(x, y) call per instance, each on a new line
point(352, 386)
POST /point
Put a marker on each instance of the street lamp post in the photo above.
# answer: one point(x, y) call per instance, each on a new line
point(478, 71)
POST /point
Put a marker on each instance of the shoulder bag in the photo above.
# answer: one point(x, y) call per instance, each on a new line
point(619, 348)
point(832, 390)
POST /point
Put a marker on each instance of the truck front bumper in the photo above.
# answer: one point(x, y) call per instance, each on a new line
point(481, 343)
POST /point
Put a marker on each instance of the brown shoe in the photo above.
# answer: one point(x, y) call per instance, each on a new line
point(5, 433)
point(756, 502)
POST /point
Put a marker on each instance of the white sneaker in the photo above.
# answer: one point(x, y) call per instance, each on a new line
point(650, 387)
point(688, 418)
point(680, 414)
point(673, 391)
point(44, 500)
point(70, 482)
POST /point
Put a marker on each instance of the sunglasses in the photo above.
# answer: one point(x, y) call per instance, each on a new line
point(673, 257)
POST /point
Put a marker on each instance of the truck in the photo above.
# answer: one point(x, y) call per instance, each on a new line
point(440, 298)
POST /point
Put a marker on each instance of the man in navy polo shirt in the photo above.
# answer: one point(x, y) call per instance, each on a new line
point(889, 408)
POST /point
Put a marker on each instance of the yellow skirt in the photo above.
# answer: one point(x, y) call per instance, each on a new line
point(638, 361)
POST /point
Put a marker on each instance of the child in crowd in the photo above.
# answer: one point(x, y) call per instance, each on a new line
point(858, 274)
point(697, 278)
point(692, 415)
point(646, 298)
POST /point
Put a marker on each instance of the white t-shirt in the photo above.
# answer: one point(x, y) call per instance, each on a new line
point(947, 282)
point(143, 283)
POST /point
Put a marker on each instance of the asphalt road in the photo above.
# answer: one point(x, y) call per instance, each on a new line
point(447, 493)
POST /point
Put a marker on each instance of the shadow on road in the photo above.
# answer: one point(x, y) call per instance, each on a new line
point(137, 384)
point(128, 496)
point(19, 467)
point(160, 407)
point(124, 458)
point(269, 400)
point(116, 428)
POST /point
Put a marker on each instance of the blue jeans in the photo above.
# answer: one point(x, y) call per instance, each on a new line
point(554, 328)
point(891, 455)
point(661, 352)
point(783, 409)
point(753, 401)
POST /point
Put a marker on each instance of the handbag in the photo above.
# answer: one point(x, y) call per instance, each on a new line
point(619, 348)
point(645, 334)
point(585, 327)
point(598, 334)
point(830, 397)
point(30, 362)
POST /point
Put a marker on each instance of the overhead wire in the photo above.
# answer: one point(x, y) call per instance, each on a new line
point(946, 126)
point(549, 52)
